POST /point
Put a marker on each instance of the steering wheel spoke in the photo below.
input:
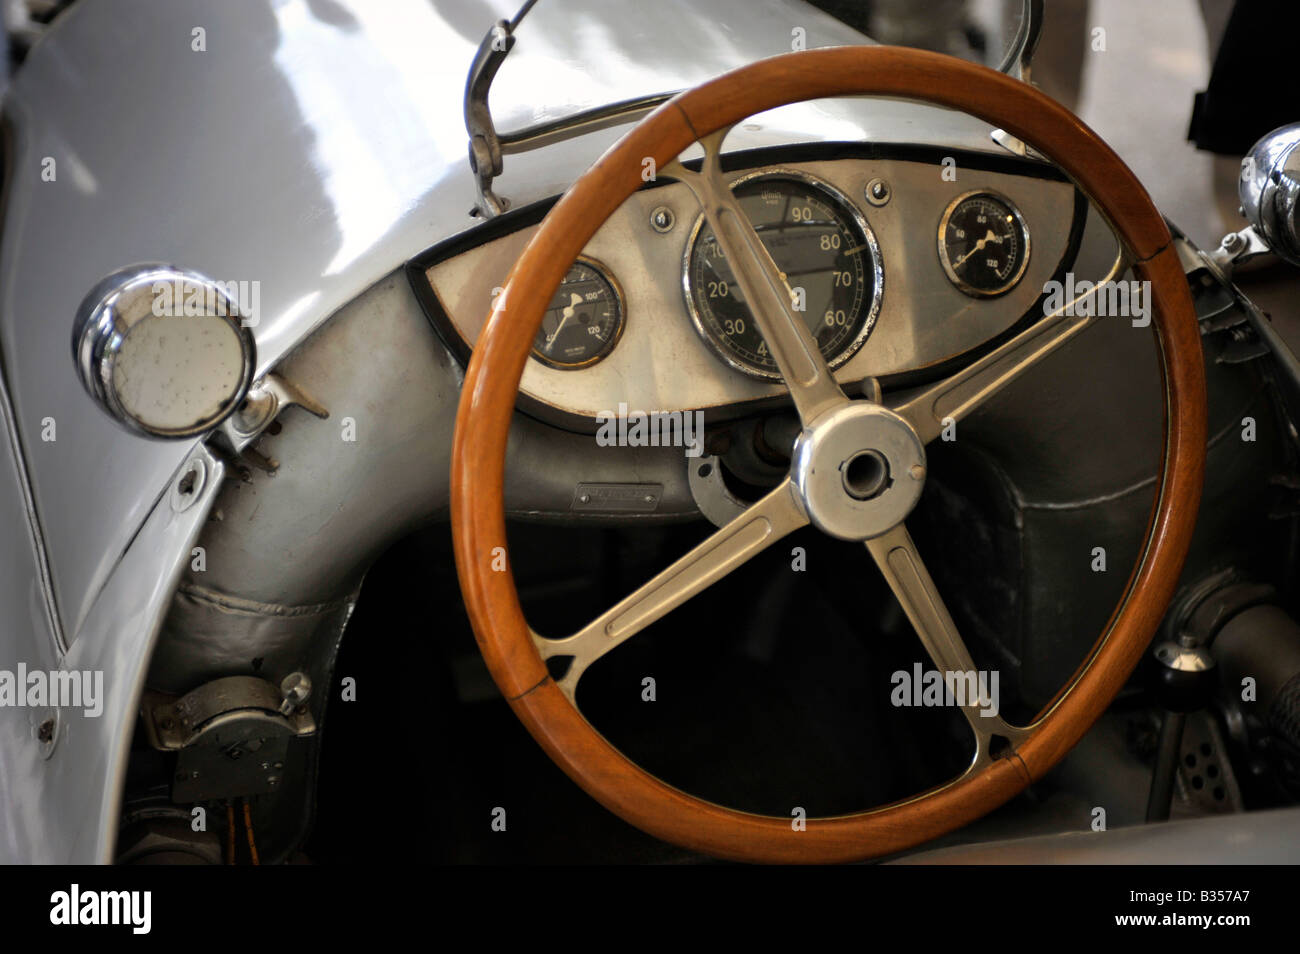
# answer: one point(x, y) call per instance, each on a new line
point(767, 291)
point(895, 554)
point(929, 408)
point(774, 516)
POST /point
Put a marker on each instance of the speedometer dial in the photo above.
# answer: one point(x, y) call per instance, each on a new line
point(824, 249)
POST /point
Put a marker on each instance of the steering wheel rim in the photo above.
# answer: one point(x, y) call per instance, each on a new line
point(488, 402)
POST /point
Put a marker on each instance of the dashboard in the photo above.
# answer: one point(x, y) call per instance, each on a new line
point(902, 260)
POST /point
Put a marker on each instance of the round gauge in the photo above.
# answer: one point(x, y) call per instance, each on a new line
point(826, 253)
point(584, 320)
point(983, 244)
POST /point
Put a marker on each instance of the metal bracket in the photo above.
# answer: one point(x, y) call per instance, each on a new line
point(231, 735)
point(1238, 248)
point(717, 503)
point(487, 147)
point(1218, 268)
point(1017, 147)
point(268, 396)
point(484, 144)
point(1207, 783)
point(1020, 52)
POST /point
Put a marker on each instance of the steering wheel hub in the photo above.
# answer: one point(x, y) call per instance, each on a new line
point(859, 470)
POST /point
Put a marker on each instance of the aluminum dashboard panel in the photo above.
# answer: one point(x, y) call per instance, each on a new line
point(662, 363)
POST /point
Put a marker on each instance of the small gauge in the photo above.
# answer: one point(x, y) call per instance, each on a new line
point(983, 244)
point(584, 320)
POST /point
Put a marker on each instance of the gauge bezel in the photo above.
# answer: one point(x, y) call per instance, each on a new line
point(1021, 226)
point(620, 314)
point(847, 206)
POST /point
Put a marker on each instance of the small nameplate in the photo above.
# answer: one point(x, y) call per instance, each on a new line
point(617, 498)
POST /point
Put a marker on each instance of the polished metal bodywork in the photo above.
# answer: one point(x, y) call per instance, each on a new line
point(312, 147)
point(488, 147)
point(61, 805)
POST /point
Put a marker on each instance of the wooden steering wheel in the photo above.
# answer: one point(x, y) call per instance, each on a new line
point(835, 432)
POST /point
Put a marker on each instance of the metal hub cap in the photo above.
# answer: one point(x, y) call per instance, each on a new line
point(859, 470)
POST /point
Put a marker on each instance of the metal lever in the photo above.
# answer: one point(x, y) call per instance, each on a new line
point(487, 146)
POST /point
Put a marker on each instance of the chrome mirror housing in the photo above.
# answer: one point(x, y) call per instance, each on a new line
point(165, 351)
point(1270, 191)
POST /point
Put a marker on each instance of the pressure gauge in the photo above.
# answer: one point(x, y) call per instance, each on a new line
point(584, 320)
point(983, 244)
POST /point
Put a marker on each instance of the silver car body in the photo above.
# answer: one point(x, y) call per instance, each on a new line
point(313, 146)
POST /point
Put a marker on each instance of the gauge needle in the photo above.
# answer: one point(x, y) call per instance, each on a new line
point(574, 301)
point(989, 237)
